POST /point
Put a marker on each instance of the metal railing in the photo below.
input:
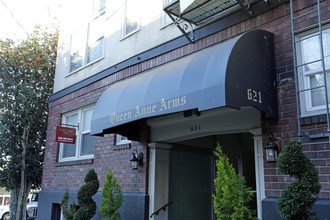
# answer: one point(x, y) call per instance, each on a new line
point(318, 25)
point(163, 208)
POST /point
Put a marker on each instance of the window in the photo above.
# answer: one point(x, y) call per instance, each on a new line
point(35, 197)
point(166, 20)
point(311, 71)
point(77, 50)
point(131, 17)
point(99, 6)
point(122, 140)
point(84, 146)
point(87, 45)
point(95, 40)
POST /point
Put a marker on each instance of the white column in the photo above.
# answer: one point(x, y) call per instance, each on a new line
point(259, 166)
point(158, 179)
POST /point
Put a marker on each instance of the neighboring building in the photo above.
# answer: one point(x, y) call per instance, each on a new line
point(127, 75)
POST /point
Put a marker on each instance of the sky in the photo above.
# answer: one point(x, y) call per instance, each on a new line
point(20, 16)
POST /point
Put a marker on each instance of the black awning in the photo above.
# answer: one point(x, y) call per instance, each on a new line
point(238, 72)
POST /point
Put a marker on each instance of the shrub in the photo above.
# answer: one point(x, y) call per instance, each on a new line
point(112, 198)
point(67, 213)
point(87, 206)
point(84, 196)
point(231, 195)
point(298, 198)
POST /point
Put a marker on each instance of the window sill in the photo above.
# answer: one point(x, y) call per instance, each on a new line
point(171, 23)
point(83, 67)
point(74, 162)
point(163, 26)
point(129, 34)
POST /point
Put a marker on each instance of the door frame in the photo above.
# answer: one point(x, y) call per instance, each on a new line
point(159, 175)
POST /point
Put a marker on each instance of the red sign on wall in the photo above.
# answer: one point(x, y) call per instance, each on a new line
point(65, 135)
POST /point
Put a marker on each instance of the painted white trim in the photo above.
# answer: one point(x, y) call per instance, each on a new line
point(79, 134)
point(304, 78)
point(175, 127)
point(158, 179)
point(119, 141)
point(259, 169)
point(125, 35)
point(86, 29)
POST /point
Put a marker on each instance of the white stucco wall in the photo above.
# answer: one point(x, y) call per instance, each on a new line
point(117, 49)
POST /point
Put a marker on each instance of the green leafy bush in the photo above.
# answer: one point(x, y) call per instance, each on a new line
point(112, 198)
point(297, 199)
point(231, 195)
point(87, 206)
point(68, 213)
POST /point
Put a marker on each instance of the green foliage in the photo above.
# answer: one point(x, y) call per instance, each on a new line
point(231, 195)
point(112, 198)
point(68, 213)
point(298, 198)
point(87, 206)
point(26, 75)
point(27, 71)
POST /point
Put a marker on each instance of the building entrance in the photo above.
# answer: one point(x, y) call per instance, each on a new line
point(190, 185)
point(240, 150)
point(192, 172)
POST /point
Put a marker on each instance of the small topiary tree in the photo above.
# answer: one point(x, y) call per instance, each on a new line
point(84, 196)
point(231, 195)
point(297, 199)
point(112, 198)
point(87, 206)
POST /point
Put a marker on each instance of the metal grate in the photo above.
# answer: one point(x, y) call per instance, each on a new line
point(201, 10)
point(317, 25)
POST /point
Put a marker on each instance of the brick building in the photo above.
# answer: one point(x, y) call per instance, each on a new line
point(130, 81)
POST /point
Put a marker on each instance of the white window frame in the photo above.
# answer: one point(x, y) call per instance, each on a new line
point(85, 31)
point(79, 134)
point(124, 33)
point(99, 6)
point(165, 19)
point(304, 78)
point(119, 141)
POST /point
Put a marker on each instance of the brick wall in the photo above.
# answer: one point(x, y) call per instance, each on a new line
point(68, 175)
point(287, 128)
point(107, 155)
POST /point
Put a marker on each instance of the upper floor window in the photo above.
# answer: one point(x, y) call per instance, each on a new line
point(311, 78)
point(77, 52)
point(131, 16)
point(166, 20)
point(87, 44)
point(95, 40)
point(84, 146)
point(99, 6)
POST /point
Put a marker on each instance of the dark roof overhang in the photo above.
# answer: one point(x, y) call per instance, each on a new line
point(236, 73)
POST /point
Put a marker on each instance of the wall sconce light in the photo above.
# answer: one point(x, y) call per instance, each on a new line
point(272, 148)
point(136, 159)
